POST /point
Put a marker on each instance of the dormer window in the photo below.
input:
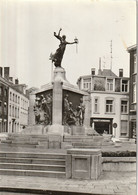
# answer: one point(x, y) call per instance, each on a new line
point(124, 85)
point(87, 84)
point(110, 84)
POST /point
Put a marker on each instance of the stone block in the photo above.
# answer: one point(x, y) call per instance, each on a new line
point(67, 130)
point(81, 166)
point(85, 163)
point(33, 129)
point(44, 143)
point(66, 145)
point(55, 141)
point(77, 130)
point(56, 129)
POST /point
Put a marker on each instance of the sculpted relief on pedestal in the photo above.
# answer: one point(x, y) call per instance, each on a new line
point(73, 116)
point(43, 109)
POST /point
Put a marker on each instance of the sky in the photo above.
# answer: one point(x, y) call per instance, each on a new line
point(27, 36)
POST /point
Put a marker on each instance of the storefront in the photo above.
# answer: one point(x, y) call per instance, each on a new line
point(102, 125)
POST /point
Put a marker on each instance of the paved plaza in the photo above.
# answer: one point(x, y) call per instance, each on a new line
point(122, 183)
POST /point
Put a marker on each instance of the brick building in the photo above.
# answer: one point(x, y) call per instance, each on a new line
point(4, 90)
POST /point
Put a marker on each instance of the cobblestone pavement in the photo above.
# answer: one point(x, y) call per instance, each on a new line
point(119, 183)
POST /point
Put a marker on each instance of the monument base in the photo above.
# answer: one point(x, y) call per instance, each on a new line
point(77, 130)
point(55, 136)
point(34, 129)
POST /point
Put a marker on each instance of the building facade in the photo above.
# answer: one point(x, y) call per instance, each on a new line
point(14, 103)
point(132, 91)
point(18, 110)
point(109, 96)
point(4, 91)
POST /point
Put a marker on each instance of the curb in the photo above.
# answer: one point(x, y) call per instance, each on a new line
point(46, 192)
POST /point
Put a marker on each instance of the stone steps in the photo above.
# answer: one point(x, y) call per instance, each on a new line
point(33, 161)
point(32, 155)
point(22, 166)
point(29, 145)
point(23, 140)
point(38, 173)
point(33, 164)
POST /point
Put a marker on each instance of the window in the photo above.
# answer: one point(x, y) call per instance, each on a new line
point(109, 106)
point(0, 107)
point(96, 105)
point(124, 125)
point(133, 129)
point(135, 63)
point(5, 92)
point(13, 111)
point(124, 85)
point(110, 84)
point(5, 108)
point(5, 126)
point(134, 93)
point(18, 100)
point(18, 113)
point(0, 126)
point(10, 110)
point(13, 97)
point(124, 106)
point(87, 84)
point(10, 95)
point(0, 90)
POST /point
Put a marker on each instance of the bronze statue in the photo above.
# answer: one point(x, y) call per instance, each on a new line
point(57, 57)
point(43, 110)
point(73, 116)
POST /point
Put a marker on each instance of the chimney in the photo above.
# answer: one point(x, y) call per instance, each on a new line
point(1, 71)
point(99, 71)
point(92, 71)
point(16, 81)
point(11, 79)
point(120, 72)
point(6, 72)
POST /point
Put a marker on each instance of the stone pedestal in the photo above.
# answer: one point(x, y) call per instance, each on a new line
point(77, 130)
point(34, 130)
point(54, 141)
point(55, 135)
point(83, 163)
point(59, 78)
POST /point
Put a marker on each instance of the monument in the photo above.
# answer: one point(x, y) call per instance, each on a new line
point(61, 119)
point(60, 107)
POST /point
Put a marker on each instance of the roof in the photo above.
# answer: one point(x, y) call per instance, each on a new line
point(13, 86)
point(108, 72)
point(131, 48)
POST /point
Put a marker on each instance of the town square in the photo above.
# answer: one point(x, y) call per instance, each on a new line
point(68, 85)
